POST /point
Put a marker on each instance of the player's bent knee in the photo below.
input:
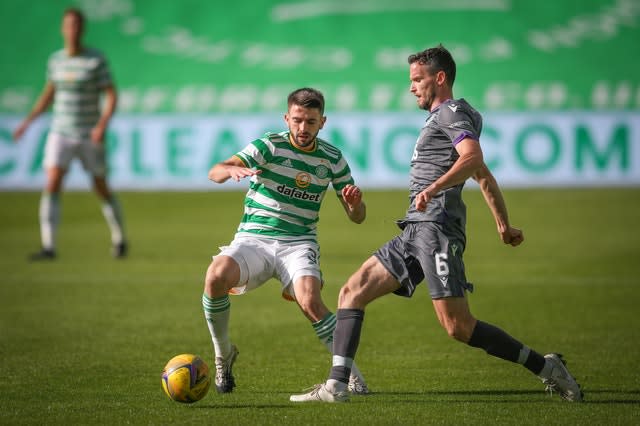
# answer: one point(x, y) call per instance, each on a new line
point(456, 334)
point(458, 331)
point(220, 278)
point(350, 297)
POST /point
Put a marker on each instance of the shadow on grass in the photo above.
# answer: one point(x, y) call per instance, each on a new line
point(624, 397)
point(632, 399)
point(261, 406)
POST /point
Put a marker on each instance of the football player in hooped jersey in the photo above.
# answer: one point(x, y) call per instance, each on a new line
point(77, 76)
point(432, 241)
point(289, 173)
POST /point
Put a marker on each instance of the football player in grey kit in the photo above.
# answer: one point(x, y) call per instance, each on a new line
point(433, 239)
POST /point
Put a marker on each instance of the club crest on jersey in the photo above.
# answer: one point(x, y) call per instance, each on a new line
point(303, 180)
point(322, 171)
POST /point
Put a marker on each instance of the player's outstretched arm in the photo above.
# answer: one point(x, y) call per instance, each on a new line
point(352, 202)
point(231, 168)
point(41, 105)
point(494, 199)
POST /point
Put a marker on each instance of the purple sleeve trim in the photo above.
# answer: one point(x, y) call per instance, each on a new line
point(463, 136)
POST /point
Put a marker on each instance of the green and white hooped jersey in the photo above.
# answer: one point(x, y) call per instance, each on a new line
point(283, 201)
point(78, 82)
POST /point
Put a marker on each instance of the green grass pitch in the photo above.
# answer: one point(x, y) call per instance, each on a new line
point(83, 339)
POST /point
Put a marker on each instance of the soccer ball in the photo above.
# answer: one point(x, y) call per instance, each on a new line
point(186, 378)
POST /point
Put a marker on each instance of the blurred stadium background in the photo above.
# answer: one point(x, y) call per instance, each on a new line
point(558, 83)
point(83, 339)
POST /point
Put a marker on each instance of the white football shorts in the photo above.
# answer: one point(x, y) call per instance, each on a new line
point(60, 150)
point(261, 259)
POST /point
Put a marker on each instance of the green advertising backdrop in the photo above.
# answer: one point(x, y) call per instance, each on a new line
point(207, 56)
point(558, 84)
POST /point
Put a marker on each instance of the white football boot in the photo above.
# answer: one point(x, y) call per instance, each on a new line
point(561, 381)
point(224, 376)
point(321, 393)
point(357, 385)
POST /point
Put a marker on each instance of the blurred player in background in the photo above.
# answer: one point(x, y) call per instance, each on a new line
point(433, 239)
point(290, 173)
point(76, 77)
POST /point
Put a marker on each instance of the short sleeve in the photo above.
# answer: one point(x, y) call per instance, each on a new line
point(255, 154)
point(341, 175)
point(103, 74)
point(457, 123)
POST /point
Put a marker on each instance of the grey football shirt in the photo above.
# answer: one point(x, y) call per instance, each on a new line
point(434, 154)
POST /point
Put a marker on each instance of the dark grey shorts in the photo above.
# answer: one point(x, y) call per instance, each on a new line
point(426, 250)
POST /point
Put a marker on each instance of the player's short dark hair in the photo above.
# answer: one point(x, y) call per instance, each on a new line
point(437, 59)
point(77, 13)
point(308, 98)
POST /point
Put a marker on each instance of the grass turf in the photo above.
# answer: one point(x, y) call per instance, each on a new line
point(83, 339)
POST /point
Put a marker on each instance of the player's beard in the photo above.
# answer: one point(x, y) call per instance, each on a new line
point(309, 139)
point(426, 100)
